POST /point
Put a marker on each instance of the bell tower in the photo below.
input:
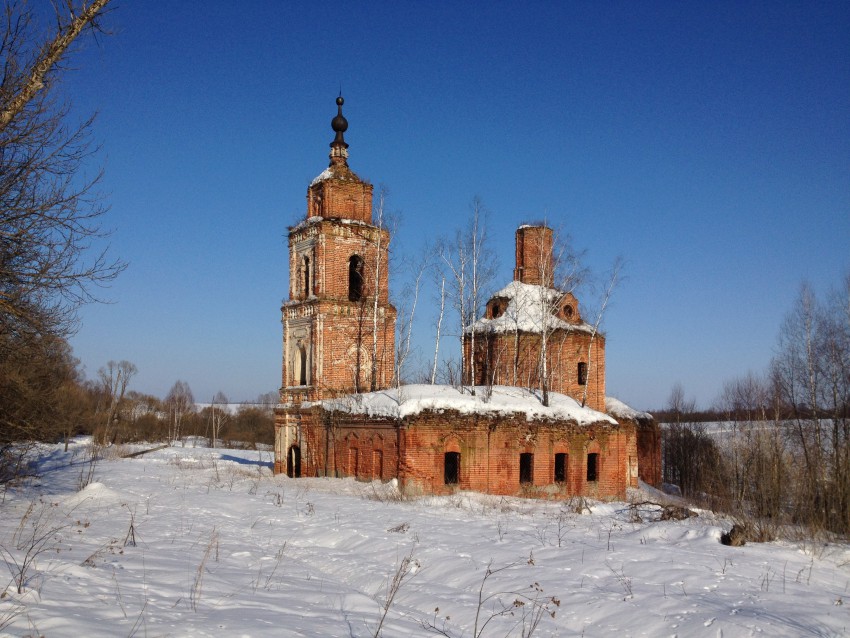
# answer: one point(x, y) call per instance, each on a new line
point(338, 325)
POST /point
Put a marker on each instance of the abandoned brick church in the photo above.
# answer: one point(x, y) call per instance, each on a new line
point(341, 414)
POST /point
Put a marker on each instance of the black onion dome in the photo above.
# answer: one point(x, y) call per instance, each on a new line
point(339, 124)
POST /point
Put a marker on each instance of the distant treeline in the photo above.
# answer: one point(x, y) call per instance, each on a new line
point(786, 464)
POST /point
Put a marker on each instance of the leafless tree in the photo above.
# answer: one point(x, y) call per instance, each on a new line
point(180, 403)
point(812, 375)
point(561, 271)
point(370, 321)
point(378, 266)
point(691, 457)
point(407, 313)
point(756, 471)
point(439, 327)
point(470, 268)
point(218, 416)
point(614, 279)
point(49, 216)
point(114, 379)
point(269, 400)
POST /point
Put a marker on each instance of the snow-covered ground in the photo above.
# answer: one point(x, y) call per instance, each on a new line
point(220, 547)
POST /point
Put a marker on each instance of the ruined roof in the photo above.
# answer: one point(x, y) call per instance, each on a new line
point(336, 171)
point(527, 304)
point(409, 400)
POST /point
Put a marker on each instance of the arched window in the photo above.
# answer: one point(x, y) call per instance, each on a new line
point(293, 462)
point(355, 278)
point(301, 365)
point(306, 266)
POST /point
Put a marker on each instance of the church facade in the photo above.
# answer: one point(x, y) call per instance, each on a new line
point(339, 414)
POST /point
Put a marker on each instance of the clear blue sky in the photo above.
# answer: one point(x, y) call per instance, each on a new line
point(706, 143)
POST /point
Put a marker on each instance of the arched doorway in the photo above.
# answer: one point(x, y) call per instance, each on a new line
point(293, 462)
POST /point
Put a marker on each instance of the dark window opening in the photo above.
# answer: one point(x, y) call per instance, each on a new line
point(568, 311)
point(293, 462)
point(302, 365)
point(582, 373)
point(560, 468)
point(452, 468)
point(592, 467)
point(307, 290)
point(355, 278)
point(526, 468)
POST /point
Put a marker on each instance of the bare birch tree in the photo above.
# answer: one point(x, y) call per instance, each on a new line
point(614, 279)
point(439, 326)
point(560, 271)
point(812, 374)
point(407, 313)
point(180, 403)
point(218, 416)
point(376, 292)
point(470, 268)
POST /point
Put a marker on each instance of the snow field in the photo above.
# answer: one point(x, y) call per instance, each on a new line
point(222, 547)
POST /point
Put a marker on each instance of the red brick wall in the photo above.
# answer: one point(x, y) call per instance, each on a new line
point(337, 331)
point(348, 198)
point(498, 355)
point(649, 451)
point(334, 333)
point(338, 444)
point(490, 446)
point(534, 264)
point(330, 245)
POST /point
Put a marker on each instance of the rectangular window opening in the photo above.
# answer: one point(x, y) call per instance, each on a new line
point(582, 373)
point(592, 467)
point(561, 468)
point(526, 468)
point(452, 468)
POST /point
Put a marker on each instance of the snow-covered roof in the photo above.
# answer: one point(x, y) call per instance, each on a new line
point(528, 306)
point(325, 174)
point(410, 400)
point(617, 408)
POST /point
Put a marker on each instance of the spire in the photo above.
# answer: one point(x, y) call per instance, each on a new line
point(339, 147)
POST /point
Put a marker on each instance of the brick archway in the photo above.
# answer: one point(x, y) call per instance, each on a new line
point(293, 462)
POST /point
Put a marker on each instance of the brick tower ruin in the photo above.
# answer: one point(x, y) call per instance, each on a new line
point(530, 316)
point(338, 326)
